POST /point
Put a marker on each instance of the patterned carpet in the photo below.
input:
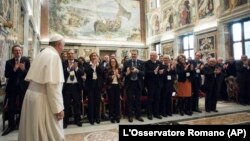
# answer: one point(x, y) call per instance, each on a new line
point(229, 119)
point(105, 135)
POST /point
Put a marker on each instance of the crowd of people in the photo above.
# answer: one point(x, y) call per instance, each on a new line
point(62, 87)
point(159, 79)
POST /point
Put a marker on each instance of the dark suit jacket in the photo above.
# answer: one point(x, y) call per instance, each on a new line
point(210, 79)
point(89, 78)
point(140, 67)
point(152, 79)
point(15, 79)
point(181, 72)
point(109, 75)
point(165, 74)
point(78, 73)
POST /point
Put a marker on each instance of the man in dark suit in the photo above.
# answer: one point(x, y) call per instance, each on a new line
point(72, 88)
point(196, 81)
point(15, 72)
point(153, 84)
point(243, 71)
point(134, 72)
point(211, 72)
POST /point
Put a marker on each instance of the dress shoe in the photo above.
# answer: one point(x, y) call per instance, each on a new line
point(170, 114)
point(197, 110)
point(118, 120)
point(150, 117)
point(189, 113)
point(158, 116)
point(140, 119)
point(215, 111)
point(8, 130)
point(97, 121)
point(208, 111)
point(65, 126)
point(164, 115)
point(79, 124)
point(112, 120)
point(130, 119)
point(91, 121)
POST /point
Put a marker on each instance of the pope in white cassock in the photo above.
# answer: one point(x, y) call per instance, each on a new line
point(42, 111)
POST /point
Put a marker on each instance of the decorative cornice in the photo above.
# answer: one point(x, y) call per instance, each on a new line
point(205, 31)
point(184, 29)
point(100, 43)
point(235, 14)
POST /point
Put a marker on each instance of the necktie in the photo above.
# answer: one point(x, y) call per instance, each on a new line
point(72, 75)
point(134, 75)
point(16, 60)
point(134, 63)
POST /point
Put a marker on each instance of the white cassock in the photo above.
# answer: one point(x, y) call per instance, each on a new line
point(43, 99)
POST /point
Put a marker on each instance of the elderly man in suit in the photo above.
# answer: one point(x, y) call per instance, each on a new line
point(153, 74)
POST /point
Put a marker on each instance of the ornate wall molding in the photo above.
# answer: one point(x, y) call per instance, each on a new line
point(237, 14)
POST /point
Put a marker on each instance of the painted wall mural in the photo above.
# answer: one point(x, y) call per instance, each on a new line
point(6, 42)
point(155, 24)
point(168, 48)
point(164, 1)
point(5, 8)
point(185, 12)
point(3, 57)
point(168, 19)
point(8, 10)
point(231, 4)
point(117, 20)
point(205, 8)
point(207, 44)
point(124, 53)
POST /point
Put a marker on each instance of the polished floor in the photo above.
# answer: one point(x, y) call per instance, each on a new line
point(229, 113)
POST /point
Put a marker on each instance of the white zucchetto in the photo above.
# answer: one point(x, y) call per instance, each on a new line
point(56, 37)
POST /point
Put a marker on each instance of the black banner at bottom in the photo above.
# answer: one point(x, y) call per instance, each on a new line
point(162, 132)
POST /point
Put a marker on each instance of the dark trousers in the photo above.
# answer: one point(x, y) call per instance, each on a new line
point(153, 100)
point(166, 99)
point(163, 101)
point(72, 96)
point(15, 101)
point(211, 100)
point(244, 90)
point(114, 101)
point(94, 99)
point(133, 98)
point(195, 97)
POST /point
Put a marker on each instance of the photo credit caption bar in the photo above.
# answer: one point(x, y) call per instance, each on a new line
point(222, 132)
